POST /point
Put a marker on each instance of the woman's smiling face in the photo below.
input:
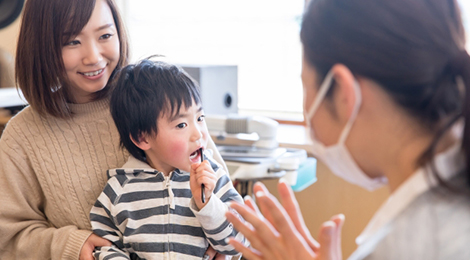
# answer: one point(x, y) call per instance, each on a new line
point(91, 57)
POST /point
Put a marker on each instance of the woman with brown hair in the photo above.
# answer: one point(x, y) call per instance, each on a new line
point(387, 99)
point(54, 154)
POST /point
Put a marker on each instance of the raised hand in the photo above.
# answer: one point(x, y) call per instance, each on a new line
point(279, 232)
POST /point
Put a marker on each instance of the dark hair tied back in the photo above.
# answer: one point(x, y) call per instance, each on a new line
point(460, 62)
point(414, 49)
point(460, 65)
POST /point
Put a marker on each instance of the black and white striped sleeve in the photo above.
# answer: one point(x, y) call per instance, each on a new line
point(103, 225)
point(212, 216)
point(110, 252)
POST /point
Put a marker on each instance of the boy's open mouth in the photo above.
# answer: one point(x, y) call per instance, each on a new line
point(194, 157)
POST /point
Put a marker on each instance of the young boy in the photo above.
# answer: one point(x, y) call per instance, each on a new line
point(153, 208)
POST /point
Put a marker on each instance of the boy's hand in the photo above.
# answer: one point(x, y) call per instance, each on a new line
point(202, 173)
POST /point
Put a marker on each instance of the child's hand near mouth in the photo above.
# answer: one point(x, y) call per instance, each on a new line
point(202, 173)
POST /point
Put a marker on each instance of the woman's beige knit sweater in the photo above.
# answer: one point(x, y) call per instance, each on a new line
point(51, 172)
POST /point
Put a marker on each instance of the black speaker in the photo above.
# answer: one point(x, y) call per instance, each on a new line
point(9, 11)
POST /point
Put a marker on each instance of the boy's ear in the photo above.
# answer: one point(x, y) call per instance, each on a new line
point(142, 141)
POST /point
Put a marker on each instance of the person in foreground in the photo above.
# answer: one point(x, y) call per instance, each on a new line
point(153, 207)
point(54, 154)
point(387, 100)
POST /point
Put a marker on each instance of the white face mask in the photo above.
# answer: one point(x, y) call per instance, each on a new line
point(337, 156)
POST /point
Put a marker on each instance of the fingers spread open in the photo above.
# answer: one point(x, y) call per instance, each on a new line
point(254, 229)
point(259, 188)
point(292, 208)
point(248, 253)
point(289, 202)
point(326, 237)
point(279, 218)
point(252, 205)
point(339, 222)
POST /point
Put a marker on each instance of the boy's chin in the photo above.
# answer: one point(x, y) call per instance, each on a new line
point(186, 169)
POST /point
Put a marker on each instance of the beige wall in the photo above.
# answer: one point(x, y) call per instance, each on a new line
point(8, 39)
point(9, 36)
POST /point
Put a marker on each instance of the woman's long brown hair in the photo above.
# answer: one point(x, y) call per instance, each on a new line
point(40, 73)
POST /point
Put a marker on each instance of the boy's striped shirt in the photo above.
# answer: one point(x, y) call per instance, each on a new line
point(145, 214)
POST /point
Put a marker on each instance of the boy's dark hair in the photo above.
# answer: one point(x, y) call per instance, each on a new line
point(143, 93)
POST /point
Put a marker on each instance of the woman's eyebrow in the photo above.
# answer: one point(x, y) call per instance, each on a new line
point(105, 26)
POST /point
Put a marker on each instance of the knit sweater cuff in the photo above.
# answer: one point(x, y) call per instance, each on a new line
point(75, 243)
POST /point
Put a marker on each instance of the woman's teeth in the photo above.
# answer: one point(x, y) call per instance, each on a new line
point(91, 74)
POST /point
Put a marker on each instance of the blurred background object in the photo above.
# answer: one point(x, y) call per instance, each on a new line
point(9, 11)
point(6, 69)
